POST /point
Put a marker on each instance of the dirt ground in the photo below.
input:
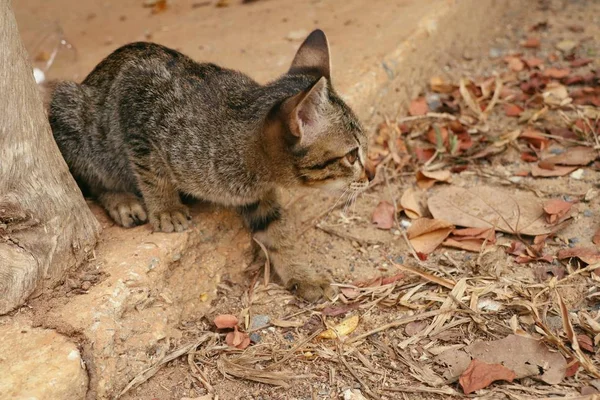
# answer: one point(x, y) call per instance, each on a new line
point(500, 289)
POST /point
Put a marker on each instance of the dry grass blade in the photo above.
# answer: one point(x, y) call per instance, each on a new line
point(469, 100)
point(495, 97)
point(199, 374)
point(358, 378)
point(397, 323)
point(568, 327)
point(427, 276)
point(149, 372)
point(267, 262)
point(424, 389)
point(276, 378)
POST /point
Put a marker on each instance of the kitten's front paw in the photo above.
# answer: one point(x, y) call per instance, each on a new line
point(125, 209)
point(311, 289)
point(172, 220)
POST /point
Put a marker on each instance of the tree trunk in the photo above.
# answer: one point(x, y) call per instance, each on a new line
point(46, 228)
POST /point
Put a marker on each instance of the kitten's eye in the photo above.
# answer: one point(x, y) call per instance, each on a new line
point(352, 156)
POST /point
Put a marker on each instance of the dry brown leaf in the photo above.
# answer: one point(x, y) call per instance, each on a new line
point(489, 207)
point(556, 209)
point(286, 323)
point(412, 328)
point(344, 328)
point(531, 43)
point(225, 321)
point(418, 107)
point(411, 204)
point(383, 215)
point(237, 339)
point(426, 179)
point(473, 245)
point(480, 375)
point(515, 64)
point(426, 234)
point(558, 170)
point(535, 138)
point(522, 355)
point(596, 238)
point(579, 155)
point(589, 255)
point(512, 110)
point(439, 85)
point(557, 73)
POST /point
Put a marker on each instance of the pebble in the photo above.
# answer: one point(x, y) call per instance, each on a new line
point(496, 52)
point(577, 174)
point(259, 321)
point(399, 260)
point(255, 337)
point(434, 102)
point(86, 285)
point(588, 213)
point(289, 337)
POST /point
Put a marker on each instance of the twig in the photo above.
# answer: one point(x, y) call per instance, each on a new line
point(431, 278)
point(428, 115)
point(399, 322)
point(423, 389)
point(267, 275)
point(355, 375)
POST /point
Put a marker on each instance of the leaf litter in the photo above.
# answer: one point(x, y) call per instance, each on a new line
point(488, 252)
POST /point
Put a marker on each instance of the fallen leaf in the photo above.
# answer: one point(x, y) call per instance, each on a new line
point(225, 321)
point(580, 62)
point(472, 245)
point(572, 367)
point(596, 238)
point(557, 73)
point(480, 375)
point(579, 155)
point(533, 62)
point(423, 155)
point(336, 311)
point(556, 95)
point(426, 179)
point(344, 328)
point(489, 207)
point(439, 85)
point(237, 339)
point(515, 64)
point(585, 342)
point(531, 43)
point(412, 204)
point(535, 138)
point(286, 323)
point(426, 234)
point(418, 107)
point(412, 328)
point(589, 255)
point(383, 215)
point(556, 209)
point(524, 356)
point(547, 173)
point(512, 110)
point(438, 137)
point(566, 46)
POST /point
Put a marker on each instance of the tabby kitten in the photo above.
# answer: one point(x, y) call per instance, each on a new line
point(148, 124)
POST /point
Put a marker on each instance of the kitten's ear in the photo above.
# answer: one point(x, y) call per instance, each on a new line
point(306, 118)
point(313, 56)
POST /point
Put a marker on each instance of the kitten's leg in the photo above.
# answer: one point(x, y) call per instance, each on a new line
point(126, 209)
point(266, 221)
point(165, 211)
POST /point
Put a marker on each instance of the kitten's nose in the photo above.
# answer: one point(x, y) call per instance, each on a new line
point(370, 170)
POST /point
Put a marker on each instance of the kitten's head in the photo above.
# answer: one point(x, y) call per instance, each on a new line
point(326, 142)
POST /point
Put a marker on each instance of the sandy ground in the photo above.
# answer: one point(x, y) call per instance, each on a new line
point(344, 242)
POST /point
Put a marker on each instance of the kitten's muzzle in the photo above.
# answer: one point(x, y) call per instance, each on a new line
point(369, 171)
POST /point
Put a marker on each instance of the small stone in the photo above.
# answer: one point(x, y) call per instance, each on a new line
point(259, 321)
point(556, 151)
point(577, 174)
point(289, 337)
point(353, 394)
point(434, 102)
point(297, 35)
point(496, 52)
point(399, 260)
point(255, 337)
point(566, 46)
point(86, 285)
point(588, 213)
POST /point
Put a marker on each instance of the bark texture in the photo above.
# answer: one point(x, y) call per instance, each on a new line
point(46, 228)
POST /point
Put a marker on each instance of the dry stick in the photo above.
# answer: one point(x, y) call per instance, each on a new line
point(428, 115)
point(399, 322)
point(199, 374)
point(149, 372)
point(291, 352)
point(589, 268)
point(357, 377)
point(423, 389)
point(347, 236)
point(267, 276)
point(431, 278)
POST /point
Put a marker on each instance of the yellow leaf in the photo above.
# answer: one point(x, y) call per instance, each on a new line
point(344, 328)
